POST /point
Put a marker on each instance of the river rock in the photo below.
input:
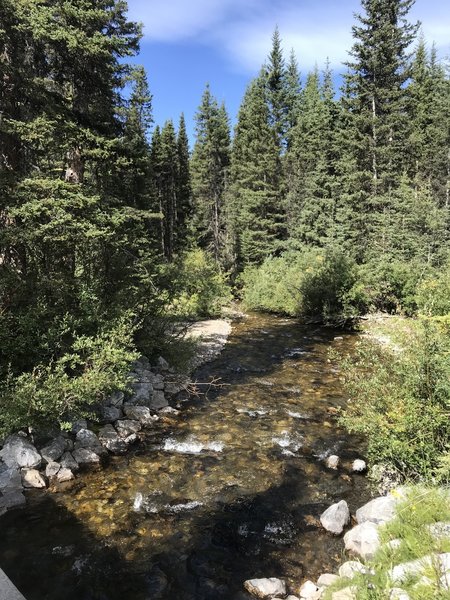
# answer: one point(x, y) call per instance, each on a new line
point(174, 387)
point(68, 462)
point(54, 450)
point(86, 439)
point(85, 456)
point(439, 530)
point(348, 593)
point(163, 364)
point(309, 591)
point(439, 562)
point(31, 478)
point(111, 440)
point(111, 414)
point(363, 540)
point(263, 588)
point(359, 466)
point(327, 579)
point(52, 469)
point(18, 452)
point(398, 594)
point(379, 510)
point(10, 479)
point(78, 425)
point(157, 381)
point(127, 427)
point(64, 475)
point(142, 393)
point(332, 462)
point(158, 401)
point(351, 568)
point(11, 499)
point(140, 413)
point(116, 399)
point(169, 410)
point(336, 517)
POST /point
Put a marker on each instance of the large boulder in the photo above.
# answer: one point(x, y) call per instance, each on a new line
point(85, 457)
point(158, 401)
point(336, 517)
point(54, 450)
point(127, 427)
point(111, 440)
point(139, 413)
point(379, 510)
point(142, 393)
point(10, 480)
point(111, 414)
point(266, 588)
point(18, 452)
point(363, 540)
point(68, 462)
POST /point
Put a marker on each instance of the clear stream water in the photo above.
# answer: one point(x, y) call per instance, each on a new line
point(228, 490)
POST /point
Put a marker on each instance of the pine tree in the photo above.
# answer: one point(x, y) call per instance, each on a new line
point(209, 165)
point(255, 208)
point(277, 90)
point(184, 191)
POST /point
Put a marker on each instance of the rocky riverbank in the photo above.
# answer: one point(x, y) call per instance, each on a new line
point(38, 460)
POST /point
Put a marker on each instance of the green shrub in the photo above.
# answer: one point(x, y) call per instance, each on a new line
point(433, 294)
point(68, 386)
point(311, 283)
point(200, 288)
point(400, 400)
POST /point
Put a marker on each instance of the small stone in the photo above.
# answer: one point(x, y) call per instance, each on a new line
point(393, 544)
point(359, 466)
point(351, 568)
point(309, 591)
point(84, 456)
point(398, 594)
point(333, 462)
point(127, 427)
point(31, 478)
point(168, 410)
point(363, 540)
point(348, 593)
point(327, 579)
point(68, 462)
point(261, 588)
point(52, 469)
point(336, 517)
point(64, 475)
point(140, 413)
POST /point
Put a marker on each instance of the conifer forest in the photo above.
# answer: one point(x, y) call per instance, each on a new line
point(319, 203)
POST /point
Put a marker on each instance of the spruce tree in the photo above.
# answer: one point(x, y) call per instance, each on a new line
point(184, 191)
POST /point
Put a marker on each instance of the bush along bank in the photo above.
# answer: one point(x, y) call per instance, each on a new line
point(36, 460)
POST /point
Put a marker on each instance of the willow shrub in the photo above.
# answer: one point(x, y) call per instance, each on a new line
point(400, 401)
point(54, 393)
point(309, 283)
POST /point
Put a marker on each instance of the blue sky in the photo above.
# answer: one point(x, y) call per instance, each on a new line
point(224, 42)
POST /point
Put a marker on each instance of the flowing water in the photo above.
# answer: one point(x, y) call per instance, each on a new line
point(228, 490)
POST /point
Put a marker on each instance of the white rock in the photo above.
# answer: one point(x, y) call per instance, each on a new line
point(333, 462)
point(351, 568)
point(309, 591)
point(439, 530)
point(379, 510)
point(363, 540)
point(398, 594)
point(52, 469)
point(336, 517)
point(359, 466)
point(291, 597)
point(393, 544)
point(402, 572)
point(19, 452)
point(327, 579)
point(31, 478)
point(140, 413)
point(64, 475)
point(348, 593)
point(261, 588)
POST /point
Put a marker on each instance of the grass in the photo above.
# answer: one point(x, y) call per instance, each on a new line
point(421, 508)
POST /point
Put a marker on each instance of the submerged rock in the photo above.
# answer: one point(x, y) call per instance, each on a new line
point(263, 588)
point(336, 517)
point(18, 452)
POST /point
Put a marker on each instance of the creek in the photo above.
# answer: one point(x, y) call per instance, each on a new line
point(228, 490)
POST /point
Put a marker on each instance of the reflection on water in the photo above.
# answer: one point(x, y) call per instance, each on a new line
point(229, 489)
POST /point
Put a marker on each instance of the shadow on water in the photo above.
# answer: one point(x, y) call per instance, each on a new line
point(256, 503)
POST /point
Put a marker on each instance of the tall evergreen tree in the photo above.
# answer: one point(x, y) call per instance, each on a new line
point(209, 166)
point(184, 191)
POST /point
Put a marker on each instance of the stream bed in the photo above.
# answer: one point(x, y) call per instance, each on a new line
point(228, 490)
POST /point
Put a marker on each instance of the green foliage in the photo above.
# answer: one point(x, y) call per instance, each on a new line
point(399, 399)
point(67, 387)
point(433, 294)
point(308, 283)
point(202, 288)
